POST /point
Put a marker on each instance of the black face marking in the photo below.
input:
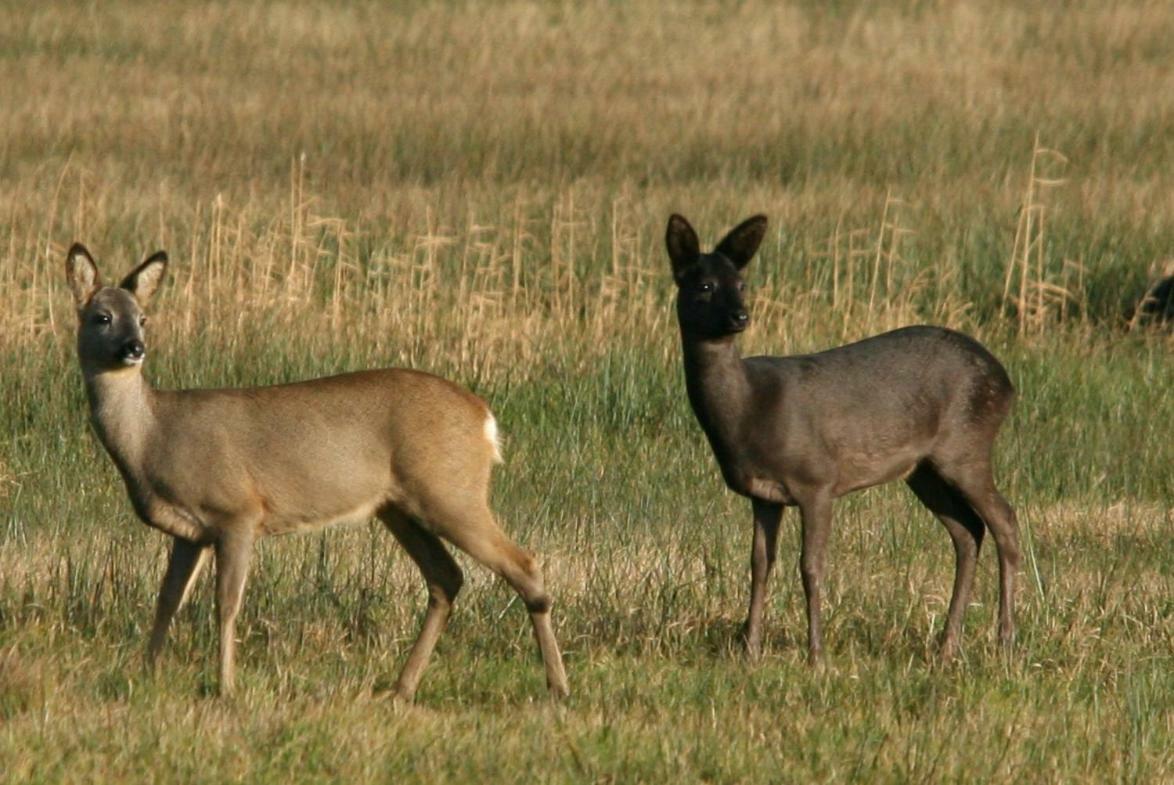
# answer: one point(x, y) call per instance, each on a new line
point(710, 289)
point(110, 330)
point(709, 298)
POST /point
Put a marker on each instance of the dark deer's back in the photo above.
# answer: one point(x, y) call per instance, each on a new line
point(908, 380)
point(860, 414)
point(873, 409)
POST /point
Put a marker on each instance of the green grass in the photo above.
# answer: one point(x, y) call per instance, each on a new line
point(646, 554)
point(481, 192)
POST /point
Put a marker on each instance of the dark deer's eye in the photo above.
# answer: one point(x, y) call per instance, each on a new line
point(102, 318)
point(705, 286)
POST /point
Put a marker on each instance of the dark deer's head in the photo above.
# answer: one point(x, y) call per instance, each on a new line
point(709, 285)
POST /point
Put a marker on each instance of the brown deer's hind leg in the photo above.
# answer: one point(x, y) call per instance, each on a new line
point(444, 579)
point(475, 531)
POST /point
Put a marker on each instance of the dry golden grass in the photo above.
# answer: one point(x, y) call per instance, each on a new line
point(294, 145)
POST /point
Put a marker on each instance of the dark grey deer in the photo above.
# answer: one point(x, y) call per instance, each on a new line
point(921, 404)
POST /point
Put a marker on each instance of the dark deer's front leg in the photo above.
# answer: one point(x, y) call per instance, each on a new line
point(762, 558)
point(183, 567)
point(816, 511)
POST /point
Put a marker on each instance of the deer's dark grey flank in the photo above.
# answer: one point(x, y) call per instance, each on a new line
point(923, 404)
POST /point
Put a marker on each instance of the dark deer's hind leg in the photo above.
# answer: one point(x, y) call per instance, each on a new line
point(966, 531)
point(978, 488)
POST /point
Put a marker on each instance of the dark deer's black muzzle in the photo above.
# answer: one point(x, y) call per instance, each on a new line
point(132, 351)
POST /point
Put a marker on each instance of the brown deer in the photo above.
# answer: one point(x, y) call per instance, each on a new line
point(921, 404)
point(218, 469)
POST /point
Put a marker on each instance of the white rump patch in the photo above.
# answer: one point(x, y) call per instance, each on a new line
point(494, 440)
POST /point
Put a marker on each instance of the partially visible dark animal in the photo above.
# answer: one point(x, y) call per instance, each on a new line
point(1157, 305)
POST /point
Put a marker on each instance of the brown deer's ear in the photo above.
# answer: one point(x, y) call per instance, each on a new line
point(740, 245)
point(82, 274)
point(145, 279)
point(684, 248)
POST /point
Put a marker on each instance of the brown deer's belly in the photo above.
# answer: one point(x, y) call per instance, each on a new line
point(172, 519)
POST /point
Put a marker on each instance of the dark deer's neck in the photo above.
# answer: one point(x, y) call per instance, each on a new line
point(719, 389)
point(122, 410)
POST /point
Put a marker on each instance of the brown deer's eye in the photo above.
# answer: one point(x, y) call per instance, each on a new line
point(142, 321)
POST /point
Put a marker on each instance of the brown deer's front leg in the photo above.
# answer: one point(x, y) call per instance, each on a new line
point(183, 567)
point(233, 552)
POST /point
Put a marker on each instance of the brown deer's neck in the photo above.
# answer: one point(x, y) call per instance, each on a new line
point(122, 410)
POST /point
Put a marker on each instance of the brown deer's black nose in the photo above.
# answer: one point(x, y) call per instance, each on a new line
point(739, 320)
point(133, 350)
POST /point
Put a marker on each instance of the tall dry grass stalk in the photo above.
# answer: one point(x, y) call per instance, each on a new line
point(863, 288)
point(1038, 297)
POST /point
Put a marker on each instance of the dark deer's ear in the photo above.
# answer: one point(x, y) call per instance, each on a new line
point(145, 279)
point(743, 240)
point(82, 274)
point(684, 248)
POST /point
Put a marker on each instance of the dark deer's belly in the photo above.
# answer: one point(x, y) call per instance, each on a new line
point(863, 469)
point(855, 482)
point(796, 470)
point(755, 482)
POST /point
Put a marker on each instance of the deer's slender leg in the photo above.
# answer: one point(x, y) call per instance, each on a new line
point(816, 512)
point(1006, 532)
point(762, 558)
point(999, 516)
point(234, 549)
point(444, 580)
point(476, 533)
point(966, 531)
point(183, 567)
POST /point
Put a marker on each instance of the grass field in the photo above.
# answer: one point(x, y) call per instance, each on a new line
point(480, 190)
